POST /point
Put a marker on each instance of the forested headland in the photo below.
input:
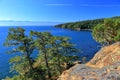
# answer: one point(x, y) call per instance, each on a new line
point(83, 25)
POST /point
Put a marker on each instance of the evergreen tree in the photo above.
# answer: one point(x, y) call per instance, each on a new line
point(55, 54)
point(23, 45)
point(42, 43)
point(108, 32)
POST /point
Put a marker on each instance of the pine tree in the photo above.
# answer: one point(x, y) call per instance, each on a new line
point(22, 45)
point(108, 32)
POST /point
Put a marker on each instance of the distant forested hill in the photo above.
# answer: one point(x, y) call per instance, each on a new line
point(83, 25)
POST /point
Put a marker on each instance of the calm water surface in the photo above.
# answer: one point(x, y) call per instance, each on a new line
point(83, 40)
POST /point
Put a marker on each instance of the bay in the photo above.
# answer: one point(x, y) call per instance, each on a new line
point(82, 39)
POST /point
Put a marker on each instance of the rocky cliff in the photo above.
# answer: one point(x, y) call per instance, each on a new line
point(105, 65)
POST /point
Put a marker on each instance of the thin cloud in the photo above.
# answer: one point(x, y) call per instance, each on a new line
point(58, 4)
point(98, 5)
point(83, 5)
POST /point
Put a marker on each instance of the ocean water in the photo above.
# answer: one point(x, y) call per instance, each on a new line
point(83, 40)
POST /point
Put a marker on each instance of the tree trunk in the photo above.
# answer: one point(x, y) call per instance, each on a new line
point(49, 74)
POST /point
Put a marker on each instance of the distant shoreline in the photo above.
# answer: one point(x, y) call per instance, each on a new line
point(86, 25)
point(90, 30)
point(25, 25)
point(86, 30)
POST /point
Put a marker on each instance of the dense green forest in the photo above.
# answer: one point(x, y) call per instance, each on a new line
point(83, 25)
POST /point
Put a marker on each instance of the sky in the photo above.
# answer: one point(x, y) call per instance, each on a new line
point(58, 10)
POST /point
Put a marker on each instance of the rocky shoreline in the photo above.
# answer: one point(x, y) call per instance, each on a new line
point(105, 65)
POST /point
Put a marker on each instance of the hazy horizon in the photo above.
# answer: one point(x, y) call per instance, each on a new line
point(37, 23)
point(26, 23)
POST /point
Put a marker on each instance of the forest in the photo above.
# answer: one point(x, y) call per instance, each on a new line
point(83, 25)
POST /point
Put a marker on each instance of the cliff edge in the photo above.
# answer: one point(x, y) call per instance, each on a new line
point(105, 65)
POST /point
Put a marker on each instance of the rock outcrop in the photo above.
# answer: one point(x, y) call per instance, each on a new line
point(105, 65)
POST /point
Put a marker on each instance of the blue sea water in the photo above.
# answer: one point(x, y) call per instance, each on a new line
point(83, 40)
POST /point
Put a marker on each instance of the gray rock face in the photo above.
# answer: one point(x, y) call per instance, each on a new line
point(105, 65)
point(83, 72)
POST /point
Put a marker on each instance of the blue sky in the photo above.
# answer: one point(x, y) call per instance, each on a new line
point(58, 10)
